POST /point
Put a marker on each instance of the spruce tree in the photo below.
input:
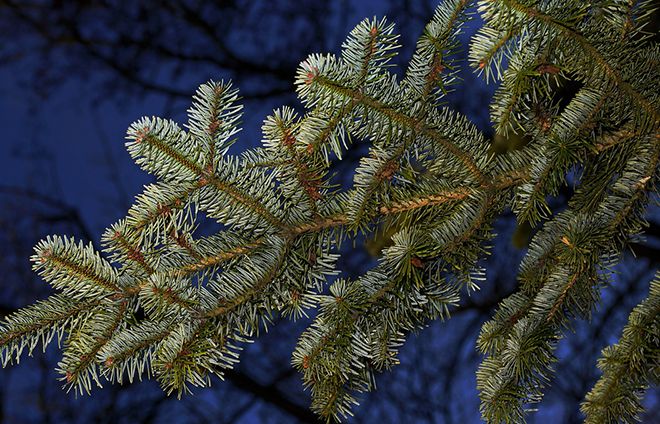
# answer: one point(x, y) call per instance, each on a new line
point(167, 303)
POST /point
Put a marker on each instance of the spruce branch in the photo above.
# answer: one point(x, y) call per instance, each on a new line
point(629, 367)
point(75, 269)
point(574, 254)
point(79, 366)
point(593, 54)
point(432, 69)
point(406, 121)
point(40, 323)
point(172, 305)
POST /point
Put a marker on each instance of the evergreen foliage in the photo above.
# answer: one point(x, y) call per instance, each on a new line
point(171, 305)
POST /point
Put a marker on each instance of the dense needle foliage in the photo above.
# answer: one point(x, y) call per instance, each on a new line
point(169, 304)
